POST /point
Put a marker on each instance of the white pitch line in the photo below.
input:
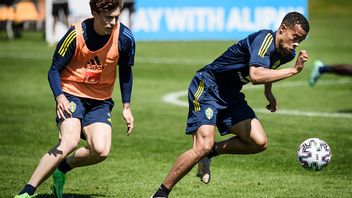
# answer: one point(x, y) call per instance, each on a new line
point(174, 98)
point(305, 113)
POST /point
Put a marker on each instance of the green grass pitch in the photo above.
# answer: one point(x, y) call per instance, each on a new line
point(138, 164)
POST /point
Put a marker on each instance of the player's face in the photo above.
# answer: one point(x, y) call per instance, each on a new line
point(105, 22)
point(290, 38)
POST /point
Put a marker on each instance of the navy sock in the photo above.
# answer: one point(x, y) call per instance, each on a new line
point(324, 69)
point(212, 153)
point(28, 189)
point(162, 191)
point(64, 166)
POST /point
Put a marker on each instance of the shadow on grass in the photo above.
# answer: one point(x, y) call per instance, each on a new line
point(345, 111)
point(70, 196)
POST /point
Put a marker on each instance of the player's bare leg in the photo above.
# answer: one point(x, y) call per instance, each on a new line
point(69, 137)
point(203, 141)
point(99, 142)
point(341, 69)
point(250, 139)
point(98, 148)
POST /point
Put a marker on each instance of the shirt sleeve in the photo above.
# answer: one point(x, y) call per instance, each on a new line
point(126, 47)
point(64, 52)
point(126, 61)
point(126, 81)
point(260, 50)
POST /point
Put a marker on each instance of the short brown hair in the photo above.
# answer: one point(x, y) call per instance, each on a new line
point(296, 18)
point(99, 6)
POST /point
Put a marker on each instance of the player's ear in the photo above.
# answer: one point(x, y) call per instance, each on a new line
point(282, 28)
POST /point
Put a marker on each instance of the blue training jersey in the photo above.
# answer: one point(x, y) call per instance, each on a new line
point(231, 70)
point(126, 48)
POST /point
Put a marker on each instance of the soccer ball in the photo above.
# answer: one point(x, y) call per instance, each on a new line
point(314, 154)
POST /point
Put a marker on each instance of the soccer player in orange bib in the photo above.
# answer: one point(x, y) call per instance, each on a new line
point(82, 77)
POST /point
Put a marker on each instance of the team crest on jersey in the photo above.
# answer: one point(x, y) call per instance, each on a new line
point(72, 107)
point(209, 113)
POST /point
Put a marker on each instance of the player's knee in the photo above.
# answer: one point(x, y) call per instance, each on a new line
point(207, 148)
point(68, 146)
point(203, 149)
point(104, 154)
point(260, 145)
point(101, 152)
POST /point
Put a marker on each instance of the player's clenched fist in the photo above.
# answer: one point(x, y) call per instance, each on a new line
point(301, 59)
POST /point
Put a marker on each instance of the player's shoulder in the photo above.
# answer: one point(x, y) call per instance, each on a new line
point(69, 36)
point(86, 25)
point(257, 38)
point(263, 34)
point(265, 38)
point(266, 31)
point(125, 33)
point(262, 42)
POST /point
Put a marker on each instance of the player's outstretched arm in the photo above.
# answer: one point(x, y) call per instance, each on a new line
point(261, 75)
point(128, 117)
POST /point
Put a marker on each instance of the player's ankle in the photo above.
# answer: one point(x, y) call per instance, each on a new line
point(64, 167)
point(28, 188)
point(162, 191)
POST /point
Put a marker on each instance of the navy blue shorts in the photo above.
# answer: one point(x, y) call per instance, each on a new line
point(209, 106)
point(89, 111)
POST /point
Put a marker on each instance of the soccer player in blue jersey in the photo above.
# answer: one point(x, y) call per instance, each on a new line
point(82, 76)
point(215, 98)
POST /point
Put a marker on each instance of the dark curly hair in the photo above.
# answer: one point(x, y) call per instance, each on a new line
point(294, 18)
point(99, 6)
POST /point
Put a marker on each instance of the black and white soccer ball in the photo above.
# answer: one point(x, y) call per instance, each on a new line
point(314, 154)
